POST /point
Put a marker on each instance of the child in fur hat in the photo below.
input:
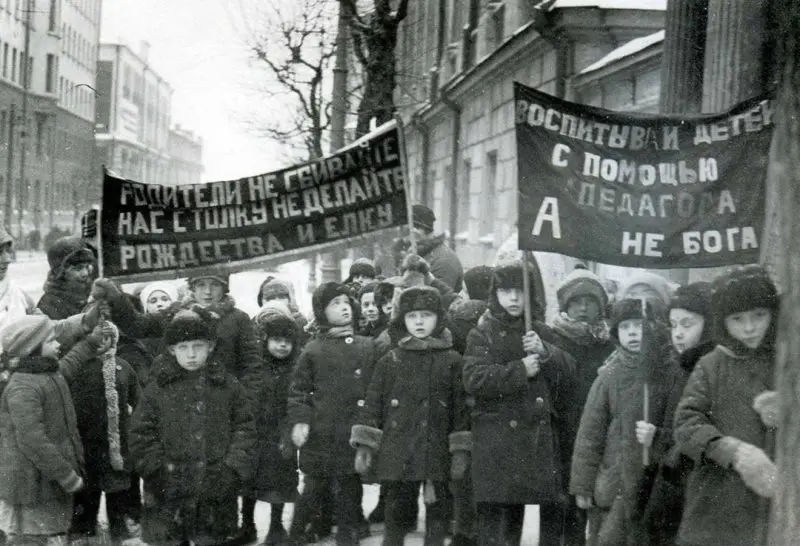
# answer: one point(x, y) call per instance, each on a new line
point(414, 418)
point(275, 478)
point(193, 440)
point(523, 388)
point(327, 390)
point(275, 289)
point(40, 451)
point(726, 418)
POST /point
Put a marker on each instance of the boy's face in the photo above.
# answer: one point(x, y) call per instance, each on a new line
point(157, 301)
point(207, 291)
point(80, 272)
point(687, 329)
point(750, 326)
point(192, 355)
point(511, 300)
point(279, 347)
point(630, 334)
point(50, 347)
point(361, 279)
point(368, 307)
point(421, 323)
point(338, 312)
point(584, 309)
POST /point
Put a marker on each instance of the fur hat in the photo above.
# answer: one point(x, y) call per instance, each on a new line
point(25, 335)
point(478, 281)
point(657, 283)
point(423, 217)
point(274, 288)
point(274, 319)
point(384, 291)
point(419, 298)
point(510, 276)
point(215, 273)
point(581, 282)
point(362, 267)
point(414, 270)
point(741, 289)
point(368, 288)
point(622, 310)
point(694, 297)
point(188, 325)
point(322, 297)
point(159, 286)
point(68, 251)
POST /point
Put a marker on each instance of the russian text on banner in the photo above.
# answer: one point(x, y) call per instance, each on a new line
point(150, 228)
point(641, 190)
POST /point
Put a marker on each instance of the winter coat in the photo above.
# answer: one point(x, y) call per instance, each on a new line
point(717, 402)
point(187, 428)
point(62, 299)
point(415, 411)
point(91, 407)
point(443, 261)
point(276, 469)
point(464, 315)
point(519, 425)
point(328, 387)
point(40, 450)
point(236, 349)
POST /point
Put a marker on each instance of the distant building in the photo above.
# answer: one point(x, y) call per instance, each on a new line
point(61, 97)
point(185, 157)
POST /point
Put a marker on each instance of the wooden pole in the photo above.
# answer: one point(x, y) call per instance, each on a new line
point(645, 363)
point(526, 290)
point(401, 142)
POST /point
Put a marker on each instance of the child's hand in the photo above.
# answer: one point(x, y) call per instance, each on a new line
point(363, 460)
point(532, 344)
point(531, 365)
point(766, 405)
point(584, 503)
point(645, 432)
point(96, 336)
point(300, 434)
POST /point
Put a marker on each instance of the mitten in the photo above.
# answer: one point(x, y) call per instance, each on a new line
point(645, 432)
point(363, 460)
point(105, 289)
point(584, 502)
point(756, 469)
point(766, 405)
point(300, 434)
point(459, 463)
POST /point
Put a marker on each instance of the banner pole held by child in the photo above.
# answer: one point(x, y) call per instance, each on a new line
point(401, 142)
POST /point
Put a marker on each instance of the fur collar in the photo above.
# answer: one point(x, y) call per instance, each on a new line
point(442, 342)
point(34, 364)
point(171, 372)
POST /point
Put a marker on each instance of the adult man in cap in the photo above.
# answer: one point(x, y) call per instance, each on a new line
point(443, 261)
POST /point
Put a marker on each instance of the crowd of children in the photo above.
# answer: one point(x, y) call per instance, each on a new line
point(649, 420)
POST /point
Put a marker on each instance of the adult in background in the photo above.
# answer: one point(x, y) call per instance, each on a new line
point(444, 262)
point(73, 267)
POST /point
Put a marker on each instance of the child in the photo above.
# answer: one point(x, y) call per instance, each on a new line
point(725, 420)
point(414, 405)
point(690, 322)
point(361, 272)
point(193, 440)
point(607, 460)
point(275, 289)
point(158, 296)
point(328, 387)
point(40, 450)
point(523, 388)
point(373, 320)
point(275, 475)
point(465, 313)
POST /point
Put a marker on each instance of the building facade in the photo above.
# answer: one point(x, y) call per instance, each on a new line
point(46, 119)
point(457, 61)
point(185, 151)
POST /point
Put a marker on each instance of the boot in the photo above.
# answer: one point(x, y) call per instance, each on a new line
point(347, 536)
point(393, 536)
point(378, 513)
point(435, 533)
point(247, 533)
point(276, 536)
point(463, 540)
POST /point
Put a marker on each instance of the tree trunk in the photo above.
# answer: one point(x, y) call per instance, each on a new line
point(784, 177)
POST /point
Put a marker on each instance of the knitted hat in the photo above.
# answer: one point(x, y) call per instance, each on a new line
point(159, 286)
point(510, 276)
point(423, 217)
point(623, 310)
point(659, 284)
point(68, 251)
point(742, 289)
point(274, 319)
point(215, 273)
point(419, 298)
point(26, 334)
point(322, 297)
point(362, 267)
point(478, 281)
point(272, 289)
point(694, 297)
point(581, 282)
point(187, 325)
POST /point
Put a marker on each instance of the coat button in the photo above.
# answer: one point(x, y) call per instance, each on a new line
point(360, 403)
point(424, 424)
point(357, 373)
point(200, 406)
point(543, 422)
point(395, 402)
point(198, 436)
point(170, 467)
point(394, 424)
point(539, 401)
point(513, 423)
point(348, 340)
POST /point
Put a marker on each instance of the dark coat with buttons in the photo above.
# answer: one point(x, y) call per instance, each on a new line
point(416, 398)
point(187, 428)
point(329, 384)
point(520, 426)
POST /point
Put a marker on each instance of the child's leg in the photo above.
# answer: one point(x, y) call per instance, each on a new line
point(437, 516)
point(347, 491)
point(248, 512)
point(307, 506)
point(551, 523)
point(86, 506)
point(276, 535)
point(399, 498)
point(500, 524)
point(464, 509)
point(514, 520)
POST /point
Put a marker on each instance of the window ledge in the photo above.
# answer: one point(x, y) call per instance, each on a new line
point(487, 240)
point(462, 236)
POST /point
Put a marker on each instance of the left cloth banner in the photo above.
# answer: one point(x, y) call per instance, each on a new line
point(150, 229)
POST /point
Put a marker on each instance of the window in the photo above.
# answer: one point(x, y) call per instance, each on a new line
point(5, 60)
point(61, 88)
point(3, 121)
point(471, 35)
point(463, 196)
point(41, 120)
point(489, 195)
point(14, 64)
point(498, 25)
point(52, 17)
point(28, 73)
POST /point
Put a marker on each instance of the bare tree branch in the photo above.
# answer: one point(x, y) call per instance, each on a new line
point(355, 20)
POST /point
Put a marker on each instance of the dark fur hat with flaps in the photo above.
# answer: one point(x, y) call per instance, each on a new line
point(68, 251)
point(622, 310)
point(322, 297)
point(420, 298)
point(190, 325)
point(274, 319)
point(509, 275)
point(694, 297)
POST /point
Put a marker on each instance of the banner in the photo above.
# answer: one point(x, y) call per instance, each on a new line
point(150, 228)
point(641, 190)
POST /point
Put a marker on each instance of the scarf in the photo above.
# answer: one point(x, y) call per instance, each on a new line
point(411, 343)
point(582, 333)
point(338, 331)
point(14, 303)
point(109, 359)
point(70, 297)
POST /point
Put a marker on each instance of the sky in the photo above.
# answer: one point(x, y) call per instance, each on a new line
point(199, 47)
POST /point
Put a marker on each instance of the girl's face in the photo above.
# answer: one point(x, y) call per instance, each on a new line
point(50, 347)
point(157, 301)
point(207, 291)
point(421, 323)
point(630, 334)
point(584, 309)
point(750, 326)
point(279, 347)
point(687, 329)
point(511, 299)
point(338, 312)
point(368, 307)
